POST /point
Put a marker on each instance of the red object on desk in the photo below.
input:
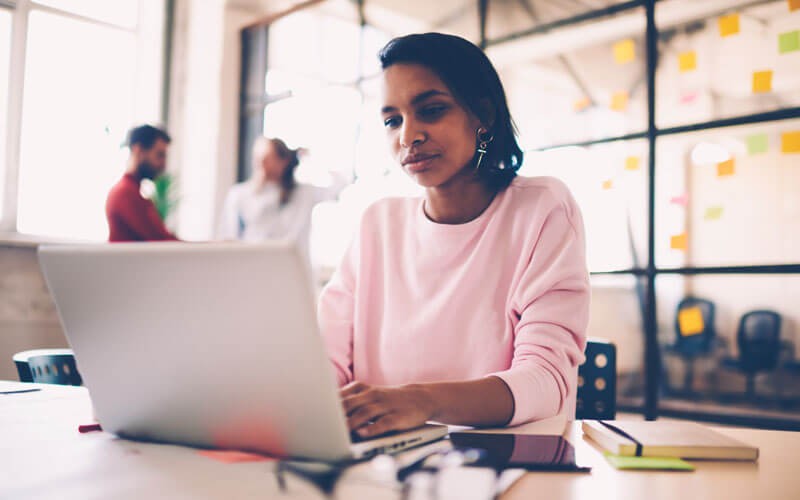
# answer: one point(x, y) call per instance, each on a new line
point(83, 429)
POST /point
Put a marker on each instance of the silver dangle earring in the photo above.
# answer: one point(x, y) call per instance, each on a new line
point(484, 138)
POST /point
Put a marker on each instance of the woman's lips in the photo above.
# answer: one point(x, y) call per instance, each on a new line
point(420, 164)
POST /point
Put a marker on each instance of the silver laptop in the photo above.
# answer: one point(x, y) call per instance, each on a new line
point(209, 345)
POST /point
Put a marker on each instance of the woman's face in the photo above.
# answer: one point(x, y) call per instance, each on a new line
point(431, 135)
point(267, 159)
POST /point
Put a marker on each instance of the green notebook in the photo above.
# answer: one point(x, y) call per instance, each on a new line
point(649, 463)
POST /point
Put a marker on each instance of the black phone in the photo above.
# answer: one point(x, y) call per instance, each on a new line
point(525, 451)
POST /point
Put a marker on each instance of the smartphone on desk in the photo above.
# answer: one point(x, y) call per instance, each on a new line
point(524, 451)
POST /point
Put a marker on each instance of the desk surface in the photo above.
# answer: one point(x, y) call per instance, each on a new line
point(42, 455)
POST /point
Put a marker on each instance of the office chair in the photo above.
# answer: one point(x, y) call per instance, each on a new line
point(48, 366)
point(597, 382)
point(695, 335)
point(758, 337)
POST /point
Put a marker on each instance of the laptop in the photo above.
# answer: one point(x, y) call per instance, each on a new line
point(210, 345)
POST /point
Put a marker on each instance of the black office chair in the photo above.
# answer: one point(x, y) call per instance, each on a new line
point(693, 343)
point(48, 366)
point(760, 346)
point(597, 382)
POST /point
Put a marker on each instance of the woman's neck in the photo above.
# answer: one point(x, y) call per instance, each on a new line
point(457, 202)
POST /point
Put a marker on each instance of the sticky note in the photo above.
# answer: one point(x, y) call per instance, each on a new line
point(687, 61)
point(679, 242)
point(650, 463)
point(233, 456)
point(789, 42)
point(624, 51)
point(688, 97)
point(729, 25)
point(794, 5)
point(790, 142)
point(757, 143)
point(581, 104)
point(632, 163)
point(680, 200)
point(619, 101)
point(690, 321)
point(726, 168)
point(762, 81)
point(713, 213)
point(608, 184)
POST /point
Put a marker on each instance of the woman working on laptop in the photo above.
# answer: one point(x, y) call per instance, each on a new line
point(468, 305)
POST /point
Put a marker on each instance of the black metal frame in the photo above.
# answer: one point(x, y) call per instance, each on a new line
point(652, 358)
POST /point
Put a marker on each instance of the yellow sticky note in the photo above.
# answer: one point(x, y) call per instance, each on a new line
point(790, 142)
point(794, 5)
point(690, 321)
point(581, 104)
point(679, 242)
point(619, 101)
point(726, 168)
point(762, 81)
point(729, 25)
point(624, 51)
point(608, 184)
point(713, 213)
point(632, 163)
point(687, 61)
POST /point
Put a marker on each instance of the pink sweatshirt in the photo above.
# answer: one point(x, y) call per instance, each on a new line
point(506, 294)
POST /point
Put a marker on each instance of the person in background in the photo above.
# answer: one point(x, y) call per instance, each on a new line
point(272, 204)
point(131, 217)
point(468, 305)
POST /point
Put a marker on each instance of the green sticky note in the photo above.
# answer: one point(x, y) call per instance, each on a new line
point(789, 41)
point(757, 143)
point(713, 213)
point(648, 463)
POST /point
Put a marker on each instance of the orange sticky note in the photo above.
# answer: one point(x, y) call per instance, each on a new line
point(233, 456)
point(687, 61)
point(619, 101)
point(624, 51)
point(790, 142)
point(762, 81)
point(690, 321)
point(726, 168)
point(632, 163)
point(581, 104)
point(794, 5)
point(608, 184)
point(679, 242)
point(729, 25)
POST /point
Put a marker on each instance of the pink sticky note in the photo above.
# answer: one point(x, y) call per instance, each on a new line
point(680, 200)
point(233, 456)
point(688, 97)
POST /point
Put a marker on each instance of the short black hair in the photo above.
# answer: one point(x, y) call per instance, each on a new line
point(145, 136)
point(474, 82)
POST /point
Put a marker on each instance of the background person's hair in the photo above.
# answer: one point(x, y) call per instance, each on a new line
point(292, 156)
point(145, 136)
point(474, 82)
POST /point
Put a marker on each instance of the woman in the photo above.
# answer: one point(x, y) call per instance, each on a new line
point(467, 306)
point(272, 204)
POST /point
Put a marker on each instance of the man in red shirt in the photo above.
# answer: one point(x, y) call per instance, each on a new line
point(131, 217)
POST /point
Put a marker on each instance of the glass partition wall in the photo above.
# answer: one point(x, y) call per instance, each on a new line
point(675, 123)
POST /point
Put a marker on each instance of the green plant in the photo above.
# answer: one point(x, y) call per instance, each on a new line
point(165, 196)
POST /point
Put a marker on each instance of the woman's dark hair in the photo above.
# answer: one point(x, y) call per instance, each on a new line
point(474, 82)
point(292, 156)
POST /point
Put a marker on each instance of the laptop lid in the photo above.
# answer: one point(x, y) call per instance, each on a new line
point(211, 345)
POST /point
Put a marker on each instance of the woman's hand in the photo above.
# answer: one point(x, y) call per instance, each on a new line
point(373, 410)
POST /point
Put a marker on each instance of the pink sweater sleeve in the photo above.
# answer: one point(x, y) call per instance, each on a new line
point(335, 315)
point(551, 301)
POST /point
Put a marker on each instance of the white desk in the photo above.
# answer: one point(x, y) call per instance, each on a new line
point(43, 456)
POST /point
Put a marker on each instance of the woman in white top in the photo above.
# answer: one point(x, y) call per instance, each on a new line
point(272, 204)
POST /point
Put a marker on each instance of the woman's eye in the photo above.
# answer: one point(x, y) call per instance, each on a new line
point(432, 111)
point(391, 122)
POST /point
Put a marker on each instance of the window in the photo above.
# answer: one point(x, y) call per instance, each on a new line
point(91, 70)
point(5, 53)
